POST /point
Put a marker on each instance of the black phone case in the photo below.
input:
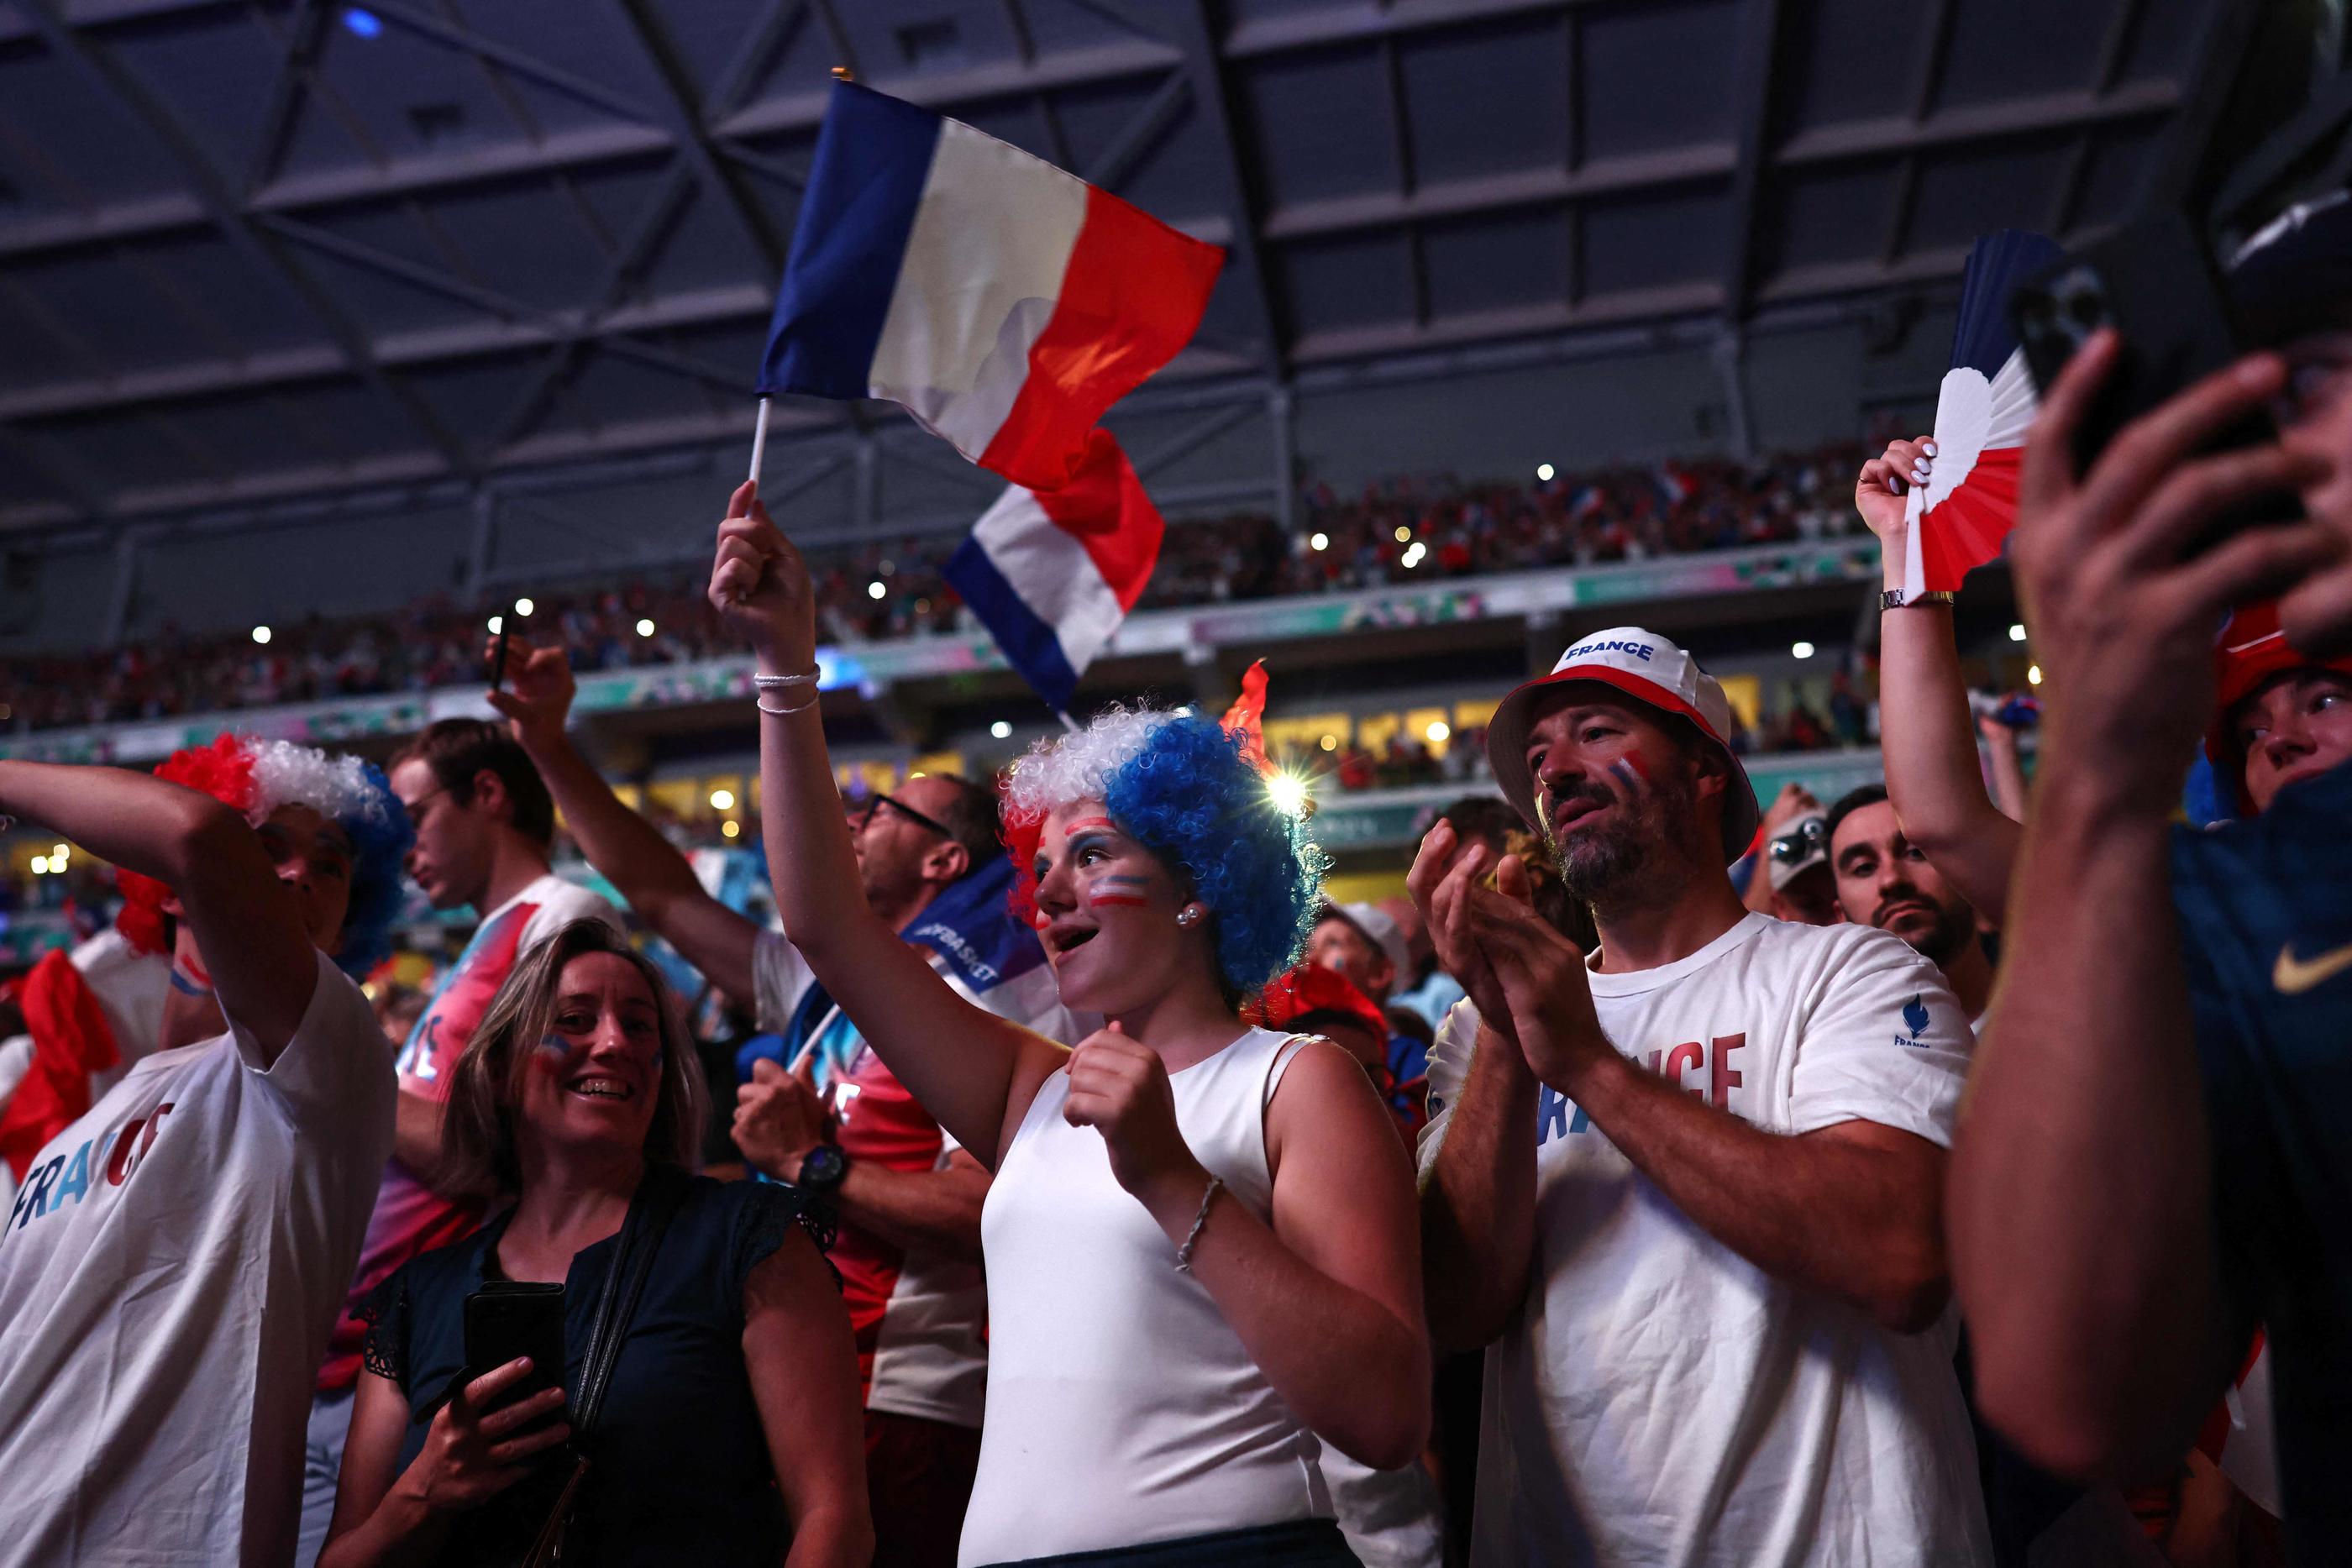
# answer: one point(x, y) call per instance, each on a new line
point(508, 1319)
point(2152, 282)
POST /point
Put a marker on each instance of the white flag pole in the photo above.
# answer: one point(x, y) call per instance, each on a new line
point(759, 441)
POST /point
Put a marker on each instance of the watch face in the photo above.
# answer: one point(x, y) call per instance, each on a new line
point(822, 1166)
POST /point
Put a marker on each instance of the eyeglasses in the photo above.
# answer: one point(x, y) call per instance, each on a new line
point(865, 817)
point(1800, 842)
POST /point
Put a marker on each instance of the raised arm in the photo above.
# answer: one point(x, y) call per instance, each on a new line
point(972, 1070)
point(1933, 776)
point(2083, 1240)
point(629, 850)
point(247, 927)
point(1478, 1195)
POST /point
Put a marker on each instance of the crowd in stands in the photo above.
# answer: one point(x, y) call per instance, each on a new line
point(1400, 530)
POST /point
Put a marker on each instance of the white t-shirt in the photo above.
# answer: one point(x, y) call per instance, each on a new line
point(1659, 1399)
point(167, 1276)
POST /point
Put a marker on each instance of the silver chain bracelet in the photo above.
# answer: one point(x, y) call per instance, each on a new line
point(1192, 1238)
point(771, 682)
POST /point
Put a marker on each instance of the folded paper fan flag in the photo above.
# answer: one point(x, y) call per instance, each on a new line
point(1960, 518)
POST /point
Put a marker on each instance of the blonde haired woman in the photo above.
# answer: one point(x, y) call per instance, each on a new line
point(730, 1418)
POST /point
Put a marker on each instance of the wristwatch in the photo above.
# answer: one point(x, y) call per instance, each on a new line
point(821, 1169)
point(1895, 599)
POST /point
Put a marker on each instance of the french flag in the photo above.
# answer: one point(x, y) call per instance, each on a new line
point(1052, 573)
point(1005, 304)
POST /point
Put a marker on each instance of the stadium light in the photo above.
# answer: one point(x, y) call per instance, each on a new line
point(730, 828)
point(1331, 743)
point(875, 590)
point(1801, 649)
point(524, 607)
point(1438, 730)
point(496, 623)
point(363, 23)
point(722, 799)
point(261, 634)
point(644, 628)
point(1543, 472)
point(2032, 675)
point(41, 866)
point(58, 853)
point(2017, 632)
point(1319, 541)
point(1001, 730)
point(1289, 793)
point(1403, 536)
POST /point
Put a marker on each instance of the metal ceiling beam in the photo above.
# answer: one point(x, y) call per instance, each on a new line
point(1758, 55)
point(521, 62)
point(550, 323)
point(945, 89)
point(304, 31)
point(1281, 33)
point(104, 73)
point(1546, 186)
point(1935, 43)
point(1140, 135)
point(1213, 92)
point(688, 122)
point(1863, 139)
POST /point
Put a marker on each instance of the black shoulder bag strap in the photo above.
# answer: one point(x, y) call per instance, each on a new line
point(656, 1204)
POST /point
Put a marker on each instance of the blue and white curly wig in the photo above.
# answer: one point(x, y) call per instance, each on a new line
point(1185, 788)
point(255, 778)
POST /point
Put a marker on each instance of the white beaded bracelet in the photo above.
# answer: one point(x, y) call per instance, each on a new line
point(780, 712)
point(770, 683)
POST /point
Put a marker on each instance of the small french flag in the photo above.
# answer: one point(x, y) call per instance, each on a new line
point(1052, 573)
point(1005, 304)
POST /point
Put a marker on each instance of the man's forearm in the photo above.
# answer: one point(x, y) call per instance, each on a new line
point(2080, 1205)
point(647, 869)
point(1478, 1202)
point(416, 1135)
point(1836, 1216)
point(936, 1211)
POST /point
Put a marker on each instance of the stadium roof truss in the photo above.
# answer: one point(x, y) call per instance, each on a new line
point(261, 254)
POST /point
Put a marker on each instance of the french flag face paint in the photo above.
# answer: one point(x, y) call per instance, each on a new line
point(1112, 889)
point(1627, 771)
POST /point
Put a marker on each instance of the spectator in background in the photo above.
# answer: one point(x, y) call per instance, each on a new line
point(908, 1196)
point(730, 1418)
point(1364, 943)
point(1727, 1219)
point(1797, 876)
point(2158, 1098)
point(484, 822)
point(1886, 881)
point(171, 1266)
point(397, 1009)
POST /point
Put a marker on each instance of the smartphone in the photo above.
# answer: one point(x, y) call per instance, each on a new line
point(499, 654)
point(506, 1319)
point(2153, 283)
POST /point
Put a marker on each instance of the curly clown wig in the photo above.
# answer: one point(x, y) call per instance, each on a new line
point(1189, 791)
point(255, 778)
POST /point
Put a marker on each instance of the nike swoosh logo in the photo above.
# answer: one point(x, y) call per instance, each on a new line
point(2295, 976)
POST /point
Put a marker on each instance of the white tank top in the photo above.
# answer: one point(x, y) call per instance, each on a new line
point(1122, 1408)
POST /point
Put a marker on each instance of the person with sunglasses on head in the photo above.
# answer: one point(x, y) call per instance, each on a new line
point(826, 1113)
point(484, 826)
point(1200, 1245)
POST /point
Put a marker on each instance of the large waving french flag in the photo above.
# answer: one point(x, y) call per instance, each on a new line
point(1052, 573)
point(1003, 303)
